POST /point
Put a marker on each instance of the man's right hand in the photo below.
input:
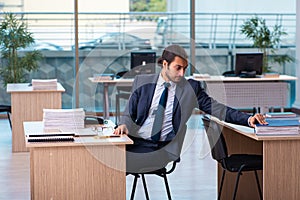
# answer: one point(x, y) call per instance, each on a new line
point(121, 129)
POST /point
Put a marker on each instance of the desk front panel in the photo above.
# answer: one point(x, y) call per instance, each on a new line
point(78, 172)
point(281, 169)
point(28, 106)
point(249, 94)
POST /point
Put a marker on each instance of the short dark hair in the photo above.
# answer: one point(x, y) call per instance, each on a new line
point(170, 52)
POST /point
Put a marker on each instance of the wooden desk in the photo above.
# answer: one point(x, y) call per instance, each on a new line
point(233, 91)
point(106, 84)
point(27, 105)
point(238, 79)
point(249, 92)
point(88, 168)
point(280, 175)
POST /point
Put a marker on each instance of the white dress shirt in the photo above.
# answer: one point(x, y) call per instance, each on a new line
point(167, 127)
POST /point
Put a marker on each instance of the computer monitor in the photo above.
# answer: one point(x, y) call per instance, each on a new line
point(248, 64)
point(142, 63)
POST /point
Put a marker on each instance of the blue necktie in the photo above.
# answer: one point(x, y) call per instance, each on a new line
point(159, 116)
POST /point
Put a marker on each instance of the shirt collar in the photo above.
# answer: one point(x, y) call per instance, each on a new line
point(161, 81)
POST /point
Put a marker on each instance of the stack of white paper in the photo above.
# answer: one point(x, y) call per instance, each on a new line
point(63, 119)
point(102, 77)
point(44, 84)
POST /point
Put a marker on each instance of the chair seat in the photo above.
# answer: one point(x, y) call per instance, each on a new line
point(251, 162)
point(157, 172)
point(162, 172)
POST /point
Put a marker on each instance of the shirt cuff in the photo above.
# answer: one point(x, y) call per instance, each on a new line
point(249, 121)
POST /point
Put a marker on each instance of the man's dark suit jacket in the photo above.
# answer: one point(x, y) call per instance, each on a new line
point(188, 96)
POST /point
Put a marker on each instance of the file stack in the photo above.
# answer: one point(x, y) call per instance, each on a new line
point(44, 84)
point(279, 126)
point(281, 114)
point(103, 77)
point(63, 119)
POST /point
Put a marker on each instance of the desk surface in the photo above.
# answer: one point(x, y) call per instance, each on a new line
point(112, 81)
point(208, 79)
point(249, 132)
point(37, 127)
point(24, 87)
point(238, 79)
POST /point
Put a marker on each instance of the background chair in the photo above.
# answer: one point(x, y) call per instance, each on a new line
point(7, 109)
point(123, 92)
point(237, 163)
point(230, 73)
point(91, 120)
point(163, 172)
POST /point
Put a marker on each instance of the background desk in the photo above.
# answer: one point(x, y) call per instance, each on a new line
point(88, 168)
point(233, 91)
point(27, 105)
point(106, 84)
point(249, 92)
point(280, 176)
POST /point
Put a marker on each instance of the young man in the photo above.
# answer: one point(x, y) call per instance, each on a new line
point(183, 96)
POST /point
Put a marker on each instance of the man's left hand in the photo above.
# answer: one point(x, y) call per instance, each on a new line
point(257, 118)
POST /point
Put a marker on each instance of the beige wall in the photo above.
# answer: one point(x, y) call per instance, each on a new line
point(66, 5)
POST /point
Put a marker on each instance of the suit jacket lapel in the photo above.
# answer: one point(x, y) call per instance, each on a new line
point(178, 95)
point(147, 86)
point(150, 89)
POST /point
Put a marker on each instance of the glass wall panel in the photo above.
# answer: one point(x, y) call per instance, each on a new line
point(105, 47)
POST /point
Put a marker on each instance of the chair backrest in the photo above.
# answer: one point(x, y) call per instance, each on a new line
point(123, 88)
point(229, 73)
point(121, 73)
point(216, 139)
point(89, 120)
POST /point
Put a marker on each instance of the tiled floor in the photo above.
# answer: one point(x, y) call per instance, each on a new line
point(194, 177)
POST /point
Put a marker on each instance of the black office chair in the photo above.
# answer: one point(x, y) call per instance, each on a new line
point(230, 73)
point(91, 120)
point(123, 92)
point(163, 172)
point(237, 163)
point(7, 109)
